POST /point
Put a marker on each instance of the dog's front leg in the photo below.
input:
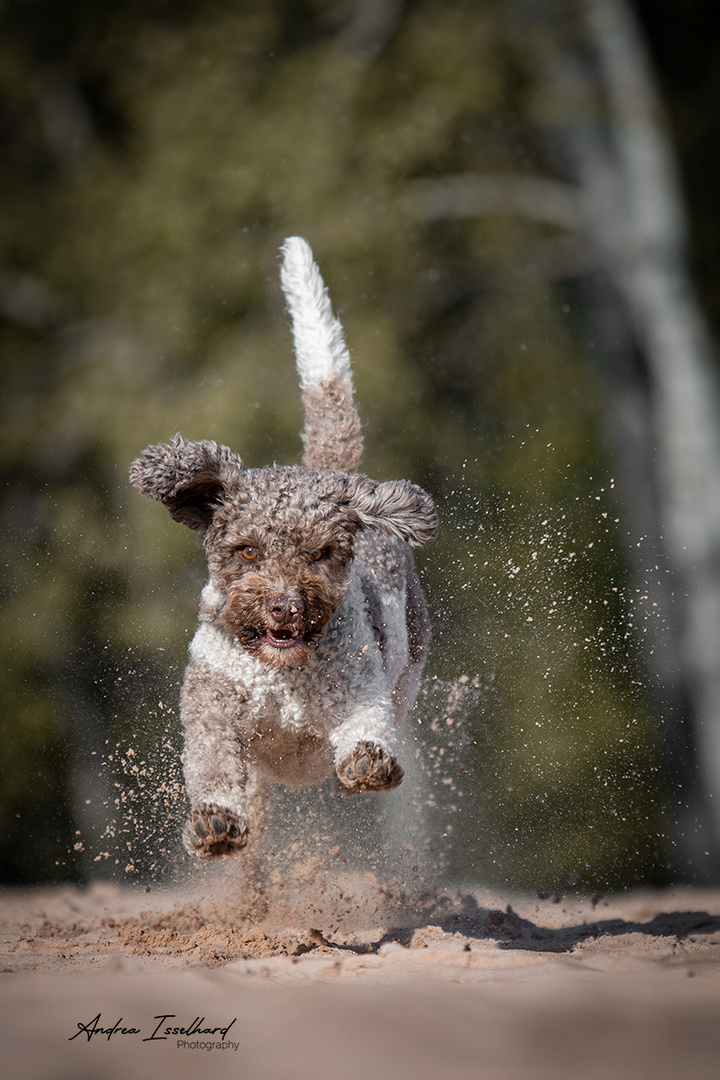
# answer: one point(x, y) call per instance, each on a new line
point(365, 751)
point(226, 792)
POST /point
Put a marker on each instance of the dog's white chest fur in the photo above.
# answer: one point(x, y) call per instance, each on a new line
point(342, 684)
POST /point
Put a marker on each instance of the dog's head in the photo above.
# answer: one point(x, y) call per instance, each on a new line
point(279, 540)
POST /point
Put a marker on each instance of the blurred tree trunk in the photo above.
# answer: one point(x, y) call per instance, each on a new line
point(634, 215)
point(625, 205)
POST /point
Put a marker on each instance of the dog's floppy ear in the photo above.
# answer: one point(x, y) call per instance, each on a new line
point(395, 507)
point(188, 478)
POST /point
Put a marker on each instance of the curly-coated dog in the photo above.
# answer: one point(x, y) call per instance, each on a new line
point(313, 627)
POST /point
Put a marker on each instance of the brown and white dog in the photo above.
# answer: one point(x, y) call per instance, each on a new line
point(313, 627)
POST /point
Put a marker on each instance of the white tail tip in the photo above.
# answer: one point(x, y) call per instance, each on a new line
point(320, 349)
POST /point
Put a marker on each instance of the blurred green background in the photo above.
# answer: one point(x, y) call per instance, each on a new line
point(154, 157)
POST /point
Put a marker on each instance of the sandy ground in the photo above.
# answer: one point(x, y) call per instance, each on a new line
point(350, 978)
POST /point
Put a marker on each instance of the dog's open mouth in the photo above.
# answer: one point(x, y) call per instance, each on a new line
point(282, 638)
point(279, 641)
point(282, 645)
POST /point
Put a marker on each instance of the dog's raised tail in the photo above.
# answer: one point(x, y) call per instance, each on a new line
point(332, 435)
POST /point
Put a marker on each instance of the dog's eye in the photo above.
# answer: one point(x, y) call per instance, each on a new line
point(316, 554)
point(248, 552)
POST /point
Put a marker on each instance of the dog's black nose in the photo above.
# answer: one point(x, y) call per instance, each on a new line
point(285, 607)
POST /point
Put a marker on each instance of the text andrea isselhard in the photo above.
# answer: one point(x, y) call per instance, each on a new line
point(162, 1032)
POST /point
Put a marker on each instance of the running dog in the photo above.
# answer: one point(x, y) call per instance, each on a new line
point(313, 627)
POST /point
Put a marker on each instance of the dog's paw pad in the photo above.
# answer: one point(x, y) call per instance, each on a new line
point(369, 768)
point(212, 831)
point(362, 766)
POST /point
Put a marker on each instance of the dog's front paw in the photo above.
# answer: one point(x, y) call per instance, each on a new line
point(212, 831)
point(369, 768)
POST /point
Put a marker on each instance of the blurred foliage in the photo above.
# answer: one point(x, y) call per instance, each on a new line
point(154, 156)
